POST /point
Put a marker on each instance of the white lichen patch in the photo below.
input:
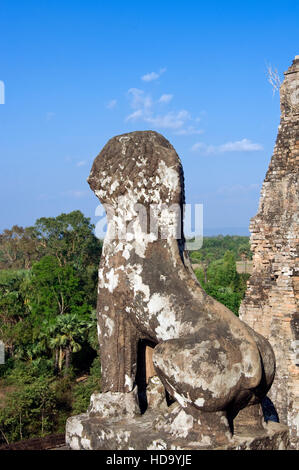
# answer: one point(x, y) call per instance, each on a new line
point(182, 400)
point(156, 304)
point(123, 141)
point(126, 252)
point(109, 325)
point(199, 402)
point(106, 434)
point(108, 280)
point(74, 426)
point(157, 444)
point(182, 424)
point(169, 176)
point(168, 326)
point(128, 382)
point(122, 436)
point(205, 441)
point(114, 404)
point(86, 444)
point(136, 282)
point(113, 187)
point(141, 238)
point(74, 443)
point(101, 193)
point(141, 161)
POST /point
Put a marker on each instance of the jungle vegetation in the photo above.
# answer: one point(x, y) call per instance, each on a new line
point(48, 290)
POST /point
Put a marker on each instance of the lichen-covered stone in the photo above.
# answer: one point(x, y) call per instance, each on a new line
point(85, 432)
point(208, 360)
point(114, 404)
point(271, 302)
point(155, 394)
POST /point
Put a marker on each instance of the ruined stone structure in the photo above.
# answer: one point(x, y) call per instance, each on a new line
point(272, 297)
point(167, 349)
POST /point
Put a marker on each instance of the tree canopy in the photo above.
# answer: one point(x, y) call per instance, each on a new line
point(48, 294)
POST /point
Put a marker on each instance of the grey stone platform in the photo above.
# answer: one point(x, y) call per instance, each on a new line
point(92, 433)
point(113, 422)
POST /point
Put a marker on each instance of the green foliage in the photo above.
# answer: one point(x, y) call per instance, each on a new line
point(54, 289)
point(14, 326)
point(70, 238)
point(221, 281)
point(30, 408)
point(214, 248)
point(40, 403)
point(47, 319)
point(93, 340)
point(216, 268)
point(226, 296)
point(19, 248)
point(83, 390)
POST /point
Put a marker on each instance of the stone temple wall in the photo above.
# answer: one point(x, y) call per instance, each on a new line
point(271, 303)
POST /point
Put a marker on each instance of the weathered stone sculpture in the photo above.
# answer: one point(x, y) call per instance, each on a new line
point(271, 304)
point(207, 362)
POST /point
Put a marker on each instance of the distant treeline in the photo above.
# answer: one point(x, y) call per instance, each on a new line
point(214, 248)
point(215, 268)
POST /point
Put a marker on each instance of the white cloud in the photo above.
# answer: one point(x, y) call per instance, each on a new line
point(244, 145)
point(139, 99)
point(111, 104)
point(170, 120)
point(81, 163)
point(135, 115)
point(149, 77)
point(190, 130)
point(143, 109)
point(204, 147)
point(166, 98)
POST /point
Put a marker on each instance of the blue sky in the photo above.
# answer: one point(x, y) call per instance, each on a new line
point(77, 73)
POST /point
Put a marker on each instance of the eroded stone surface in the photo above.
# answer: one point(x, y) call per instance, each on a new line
point(127, 433)
point(271, 302)
point(208, 360)
point(114, 404)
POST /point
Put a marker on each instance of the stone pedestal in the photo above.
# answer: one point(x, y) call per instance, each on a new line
point(114, 422)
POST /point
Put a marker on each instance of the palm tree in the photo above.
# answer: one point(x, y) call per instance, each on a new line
point(67, 336)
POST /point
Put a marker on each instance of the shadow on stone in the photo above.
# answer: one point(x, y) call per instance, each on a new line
point(269, 411)
point(141, 373)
